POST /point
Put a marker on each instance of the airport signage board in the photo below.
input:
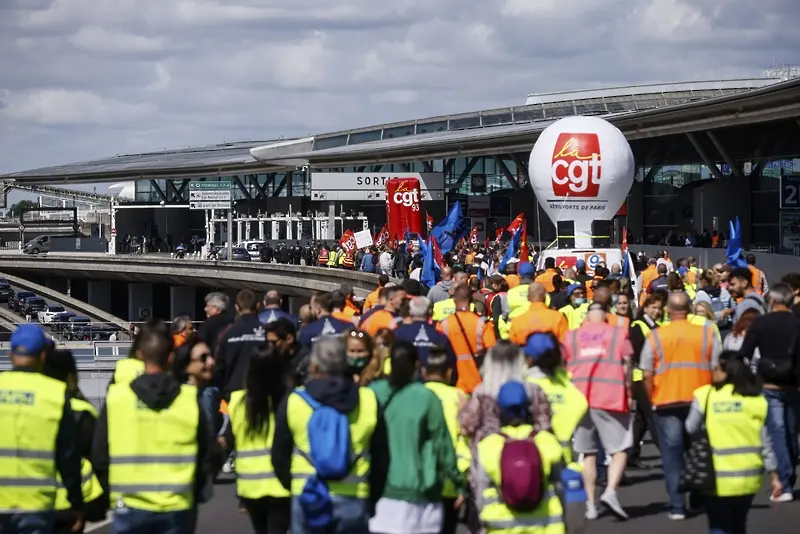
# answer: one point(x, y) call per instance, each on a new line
point(790, 191)
point(371, 186)
point(205, 195)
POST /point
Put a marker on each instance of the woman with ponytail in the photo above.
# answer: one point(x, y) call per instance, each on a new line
point(421, 450)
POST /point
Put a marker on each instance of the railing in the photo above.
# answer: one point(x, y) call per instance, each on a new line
point(97, 356)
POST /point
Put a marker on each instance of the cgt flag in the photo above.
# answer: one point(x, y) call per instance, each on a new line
point(428, 222)
point(348, 241)
point(473, 236)
point(383, 236)
point(516, 223)
point(498, 234)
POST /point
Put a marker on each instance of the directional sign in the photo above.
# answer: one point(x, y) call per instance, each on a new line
point(210, 195)
point(197, 184)
point(210, 205)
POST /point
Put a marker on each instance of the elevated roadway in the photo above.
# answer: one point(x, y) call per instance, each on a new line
point(290, 280)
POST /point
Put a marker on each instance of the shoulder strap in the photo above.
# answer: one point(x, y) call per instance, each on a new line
point(464, 333)
point(306, 396)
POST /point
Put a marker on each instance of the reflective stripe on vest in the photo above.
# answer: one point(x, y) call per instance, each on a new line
point(687, 369)
point(152, 454)
point(363, 420)
point(31, 407)
point(255, 476)
point(734, 424)
point(90, 486)
point(638, 375)
point(127, 370)
point(605, 370)
point(547, 518)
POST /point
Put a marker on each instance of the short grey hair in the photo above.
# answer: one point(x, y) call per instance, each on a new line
point(218, 300)
point(180, 323)
point(418, 307)
point(781, 295)
point(329, 355)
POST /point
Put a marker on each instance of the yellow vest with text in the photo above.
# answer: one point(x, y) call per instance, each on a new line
point(363, 420)
point(445, 308)
point(575, 316)
point(518, 300)
point(31, 408)
point(450, 397)
point(255, 476)
point(567, 407)
point(637, 375)
point(90, 486)
point(548, 517)
point(734, 424)
point(127, 370)
point(153, 454)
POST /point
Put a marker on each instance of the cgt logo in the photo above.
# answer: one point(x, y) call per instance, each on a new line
point(576, 167)
point(402, 196)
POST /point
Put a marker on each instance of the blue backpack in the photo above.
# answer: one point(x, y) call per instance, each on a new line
point(331, 455)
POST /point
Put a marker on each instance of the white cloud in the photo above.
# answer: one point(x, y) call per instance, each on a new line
point(83, 79)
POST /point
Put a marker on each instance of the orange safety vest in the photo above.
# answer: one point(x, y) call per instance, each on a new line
point(715, 241)
point(597, 368)
point(757, 279)
point(467, 345)
point(619, 321)
point(648, 275)
point(348, 261)
point(681, 361)
point(589, 288)
point(546, 279)
point(323, 257)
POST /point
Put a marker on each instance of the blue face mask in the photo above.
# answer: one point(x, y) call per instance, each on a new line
point(579, 301)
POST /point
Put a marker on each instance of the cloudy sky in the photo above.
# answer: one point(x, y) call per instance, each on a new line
point(82, 79)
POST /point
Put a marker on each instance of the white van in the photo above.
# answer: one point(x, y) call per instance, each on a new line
point(37, 245)
point(568, 258)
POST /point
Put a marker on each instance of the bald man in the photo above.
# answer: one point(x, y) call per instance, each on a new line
point(537, 318)
point(441, 291)
point(272, 309)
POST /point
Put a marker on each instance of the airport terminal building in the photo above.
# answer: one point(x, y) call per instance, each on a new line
point(705, 153)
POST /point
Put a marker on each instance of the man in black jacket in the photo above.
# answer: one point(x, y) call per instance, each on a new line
point(238, 344)
point(282, 333)
point(218, 318)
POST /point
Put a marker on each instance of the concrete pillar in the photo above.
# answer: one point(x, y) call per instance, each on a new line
point(140, 302)
point(181, 301)
point(100, 294)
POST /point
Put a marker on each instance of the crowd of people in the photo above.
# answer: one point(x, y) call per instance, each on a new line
point(508, 402)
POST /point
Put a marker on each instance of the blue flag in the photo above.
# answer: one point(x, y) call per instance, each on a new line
point(625, 264)
point(511, 251)
point(430, 271)
point(734, 252)
point(450, 231)
point(408, 240)
point(423, 248)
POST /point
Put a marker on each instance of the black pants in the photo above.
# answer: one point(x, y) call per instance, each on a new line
point(450, 523)
point(643, 420)
point(269, 515)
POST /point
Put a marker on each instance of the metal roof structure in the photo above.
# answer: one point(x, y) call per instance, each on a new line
point(493, 131)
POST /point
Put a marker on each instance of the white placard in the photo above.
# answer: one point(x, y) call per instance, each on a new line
point(363, 239)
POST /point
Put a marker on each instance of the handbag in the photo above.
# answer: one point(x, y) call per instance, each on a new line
point(698, 473)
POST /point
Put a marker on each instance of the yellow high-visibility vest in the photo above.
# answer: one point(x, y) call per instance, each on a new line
point(518, 300)
point(153, 454)
point(637, 375)
point(548, 517)
point(90, 486)
point(450, 397)
point(255, 476)
point(567, 405)
point(31, 408)
point(445, 308)
point(127, 370)
point(363, 420)
point(734, 424)
point(575, 316)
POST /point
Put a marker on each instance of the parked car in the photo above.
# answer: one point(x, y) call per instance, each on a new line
point(237, 254)
point(33, 305)
point(252, 247)
point(95, 332)
point(14, 302)
point(6, 291)
point(73, 327)
point(50, 311)
point(60, 321)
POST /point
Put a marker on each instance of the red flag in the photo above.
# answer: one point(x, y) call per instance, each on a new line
point(624, 240)
point(383, 236)
point(523, 248)
point(437, 253)
point(516, 223)
point(498, 234)
point(429, 222)
point(473, 236)
point(348, 241)
point(486, 243)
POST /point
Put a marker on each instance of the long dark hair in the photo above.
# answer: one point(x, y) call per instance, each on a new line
point(60, 364)
point(265, 387)
point(740, 375)
point(404, 359)
point(183, 357)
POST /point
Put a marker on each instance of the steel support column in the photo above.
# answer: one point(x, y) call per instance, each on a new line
point(464, 175)
point(159, 191)
point(239, 184)
point(261, 190)
point(725, 154)
point(507, 173)
point(712, 167)
point(182, 189)
point(172, 192)
point(448, 166)
point(427, 166)
point(286, 177)
point(522, 167)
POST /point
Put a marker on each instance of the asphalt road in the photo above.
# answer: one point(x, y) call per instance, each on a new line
point(644, 499)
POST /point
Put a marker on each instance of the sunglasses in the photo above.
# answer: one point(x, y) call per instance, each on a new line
point(203, 357)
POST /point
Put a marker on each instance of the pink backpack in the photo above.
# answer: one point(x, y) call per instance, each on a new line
point(521, 474)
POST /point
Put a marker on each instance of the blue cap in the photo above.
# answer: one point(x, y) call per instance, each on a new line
point(512, 398)
point(538, 343)
point(573, 287)
point(682, 271)
point(525, 269)
point(580, 264)
point(28, 340)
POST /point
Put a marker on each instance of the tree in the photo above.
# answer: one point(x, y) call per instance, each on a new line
point(22, 205)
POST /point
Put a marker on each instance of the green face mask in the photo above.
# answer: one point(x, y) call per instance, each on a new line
point(357, 364)
point(578, 301)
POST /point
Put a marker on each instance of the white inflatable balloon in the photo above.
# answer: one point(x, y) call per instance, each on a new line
point(581, 169)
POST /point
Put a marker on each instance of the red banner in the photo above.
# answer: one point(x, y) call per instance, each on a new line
point(383, 236)
point(403, 207)
point(437, 253)
point(498, 234)
point(429, 222)
point(348, 241)
point(473, 236)
point(524, 254)
point(516, 223)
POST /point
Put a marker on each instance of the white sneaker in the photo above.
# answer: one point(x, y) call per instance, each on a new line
point(783, 497)
point(227, 467)
point(676, 516)
point(591, 511)
point(610, 499)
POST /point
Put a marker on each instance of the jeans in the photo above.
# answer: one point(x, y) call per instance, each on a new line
point(269, 515)
point(27, 523)
point(349, 517)
point(783, 407)
point(132, 521)
point(672, 439)
point(728, 515)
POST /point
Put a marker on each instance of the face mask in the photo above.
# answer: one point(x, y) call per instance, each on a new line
point(579, 301)
point(614, 300)
point(357, 364)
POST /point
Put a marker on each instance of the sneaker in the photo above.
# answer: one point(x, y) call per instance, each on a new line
point(609, 498)
point(676, 516)
point(591, 511)
point(227, 467)
point(783, 497)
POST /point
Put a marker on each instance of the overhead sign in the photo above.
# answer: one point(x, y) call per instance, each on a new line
point(371, 186)
point(478, 207)
point(790, 191)
point(204, 195)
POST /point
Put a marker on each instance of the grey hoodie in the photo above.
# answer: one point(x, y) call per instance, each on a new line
point(753, 301)
point(440, 291)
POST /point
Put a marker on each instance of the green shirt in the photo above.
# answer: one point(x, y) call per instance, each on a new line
point(420, 448)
